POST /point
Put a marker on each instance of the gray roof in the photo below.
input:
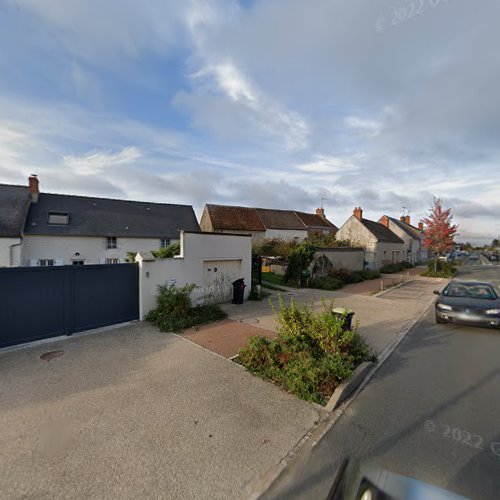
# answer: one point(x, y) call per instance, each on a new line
point(407, 228)
point(381, 232)
point(14, 202)
point(107, 217)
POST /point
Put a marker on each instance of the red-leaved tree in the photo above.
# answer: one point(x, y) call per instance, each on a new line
point(440, 231)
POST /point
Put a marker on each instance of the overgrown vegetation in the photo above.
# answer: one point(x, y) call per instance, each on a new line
point(167, 252)
point(257, 295)
point(395, 268)
point(325, 283)
point(440, 269)
point(175, 310)
point(298, 263)
point(311, 354)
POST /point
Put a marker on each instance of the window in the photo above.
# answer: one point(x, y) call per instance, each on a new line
point(111, 242)
point(112, 261)
point(164, 242)
point(46, 262)
point(77, 262)
point(59, 218)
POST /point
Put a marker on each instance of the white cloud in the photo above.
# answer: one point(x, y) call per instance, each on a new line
point(97, 161)
point(330, 164)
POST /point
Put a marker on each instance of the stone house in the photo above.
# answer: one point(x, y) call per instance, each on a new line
point(413, 237)
point(382, 246)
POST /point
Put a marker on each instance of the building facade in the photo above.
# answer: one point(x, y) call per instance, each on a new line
point(43, 229)
point(380, 244)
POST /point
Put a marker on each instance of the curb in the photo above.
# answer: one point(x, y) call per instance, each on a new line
point(348, 387)
point(312, 438)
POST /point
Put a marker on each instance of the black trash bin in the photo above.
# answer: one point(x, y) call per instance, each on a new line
point(345, 315)
point(238, 291)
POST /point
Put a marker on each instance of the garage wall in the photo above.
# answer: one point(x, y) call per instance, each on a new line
point(228, 256)
point(10, 252)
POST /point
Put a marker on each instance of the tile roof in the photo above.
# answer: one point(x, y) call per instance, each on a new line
point(90, 216)
point(280, 219)
point(407, 228)
point(225, 218)
point(314, 221)
point(228, 218)
point(381, 232)
point(14, 202)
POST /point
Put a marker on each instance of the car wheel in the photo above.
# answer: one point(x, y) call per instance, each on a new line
point(439, 320)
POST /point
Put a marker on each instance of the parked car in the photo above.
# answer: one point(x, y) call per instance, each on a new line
point(468, 302)
point(494, 258)
point(474, 257)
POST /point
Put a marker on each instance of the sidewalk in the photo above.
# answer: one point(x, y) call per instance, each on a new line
point(136, 413)
point(380, 317)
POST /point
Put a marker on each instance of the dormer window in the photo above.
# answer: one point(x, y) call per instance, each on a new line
point(59, 218)
point(164, 242)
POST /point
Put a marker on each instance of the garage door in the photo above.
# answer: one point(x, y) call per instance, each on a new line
point(218, 276)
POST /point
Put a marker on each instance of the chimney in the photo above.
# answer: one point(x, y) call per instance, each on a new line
point(421, 226)
point(33, 187)
point(384, 220)
point(358, 213)
point(321, 212)
point(405, 219)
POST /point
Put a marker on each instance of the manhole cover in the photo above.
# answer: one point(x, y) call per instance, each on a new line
point(51, 355)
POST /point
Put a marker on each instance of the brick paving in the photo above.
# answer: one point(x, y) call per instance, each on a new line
point(225, 337)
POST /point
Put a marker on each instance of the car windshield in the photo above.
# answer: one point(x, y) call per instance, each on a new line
point(473, 291)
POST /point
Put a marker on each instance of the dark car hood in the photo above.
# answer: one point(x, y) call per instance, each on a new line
point(470, 303)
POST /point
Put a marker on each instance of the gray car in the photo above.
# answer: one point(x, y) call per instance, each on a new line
point(469, 302)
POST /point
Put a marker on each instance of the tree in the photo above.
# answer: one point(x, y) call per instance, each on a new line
point(495, 243)
point(440, 231)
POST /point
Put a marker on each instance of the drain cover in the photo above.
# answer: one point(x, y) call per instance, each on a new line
point(51, 355)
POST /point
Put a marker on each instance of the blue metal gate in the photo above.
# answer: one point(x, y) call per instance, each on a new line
point(42, 302)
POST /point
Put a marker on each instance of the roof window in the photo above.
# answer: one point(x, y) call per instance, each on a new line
point(59, 218)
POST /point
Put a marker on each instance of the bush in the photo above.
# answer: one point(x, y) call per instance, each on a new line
point(167, 252)
point(367, 274)
point(341, 274)
point(299, 261)
point(175, 311)
point(440, 269)
point(395, 268)
point(325, 283)
point(311, 354)
point(274, 247)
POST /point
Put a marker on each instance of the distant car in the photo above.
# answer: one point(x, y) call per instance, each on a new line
point(468, 302)
point(474, 256)
point(494, 258)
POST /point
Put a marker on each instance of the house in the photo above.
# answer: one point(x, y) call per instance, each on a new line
point(265, 222)
point(42, 229)
point(381, 245)
point(412, 236)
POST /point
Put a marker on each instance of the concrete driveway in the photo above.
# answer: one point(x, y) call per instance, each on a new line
point(135, 413)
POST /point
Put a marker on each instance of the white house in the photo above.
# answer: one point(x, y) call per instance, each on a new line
point(414, 251)
point(264, 222)
point(381, 245)
point(41, 229)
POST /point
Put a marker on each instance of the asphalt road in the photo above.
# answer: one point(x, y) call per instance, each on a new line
point(431, 412)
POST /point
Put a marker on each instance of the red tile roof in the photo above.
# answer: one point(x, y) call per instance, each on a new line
point(226, 218)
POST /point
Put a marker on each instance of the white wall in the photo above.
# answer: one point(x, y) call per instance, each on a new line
point(343, 258)
point(91, 249)
point(387, 253)
point(196, 249)
point(286, 234)
point(10, 252)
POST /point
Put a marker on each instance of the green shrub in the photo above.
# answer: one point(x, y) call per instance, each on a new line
point(341, 274)
point(167, 252)
point(395, 268)
point(325, 283)
point(175, 311)
point(368, 274)
point(311, 354)
point(440, 269)
point(298, 262)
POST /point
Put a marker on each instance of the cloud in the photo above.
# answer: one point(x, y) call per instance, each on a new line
point(95, 162)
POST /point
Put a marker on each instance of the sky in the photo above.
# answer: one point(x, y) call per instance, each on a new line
point(292, 104)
